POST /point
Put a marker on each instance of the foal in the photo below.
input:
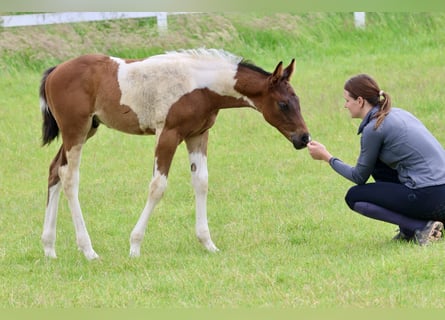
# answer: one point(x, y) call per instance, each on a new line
point(175, 96)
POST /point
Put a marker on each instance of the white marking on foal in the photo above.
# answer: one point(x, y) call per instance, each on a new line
point(43, 105)
point(198, 163)
point(173, 75)
point(157, 188)
point(49, 224)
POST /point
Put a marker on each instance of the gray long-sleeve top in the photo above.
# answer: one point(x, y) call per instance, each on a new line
point(403, 143)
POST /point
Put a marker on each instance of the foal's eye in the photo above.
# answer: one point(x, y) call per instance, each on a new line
point(283, 106)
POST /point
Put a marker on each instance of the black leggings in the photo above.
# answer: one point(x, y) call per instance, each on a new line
point(389, 193)
point(424, 203)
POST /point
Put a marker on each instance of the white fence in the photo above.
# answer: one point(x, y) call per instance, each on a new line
point(68, 17)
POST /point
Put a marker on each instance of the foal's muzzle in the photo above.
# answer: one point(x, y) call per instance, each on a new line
point(300, 142)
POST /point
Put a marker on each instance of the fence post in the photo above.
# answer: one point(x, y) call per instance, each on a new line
point(161, 18)
point(359, 19)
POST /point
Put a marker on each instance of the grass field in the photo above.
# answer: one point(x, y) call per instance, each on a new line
point(287, 238)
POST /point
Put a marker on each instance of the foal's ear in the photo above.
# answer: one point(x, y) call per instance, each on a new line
point(278, 73)
point(289, 70)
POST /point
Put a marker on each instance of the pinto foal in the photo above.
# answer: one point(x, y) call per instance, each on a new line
point(175, 96)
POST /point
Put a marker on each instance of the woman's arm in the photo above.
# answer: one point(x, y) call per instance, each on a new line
point(370, 146)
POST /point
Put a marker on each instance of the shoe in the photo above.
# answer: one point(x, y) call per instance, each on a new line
point(431, 232)
point(401, 236)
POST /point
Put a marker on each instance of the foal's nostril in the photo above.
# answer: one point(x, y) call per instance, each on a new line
point(301, 141)
point(306, 138)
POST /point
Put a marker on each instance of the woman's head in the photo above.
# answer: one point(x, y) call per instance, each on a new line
point(362, 85)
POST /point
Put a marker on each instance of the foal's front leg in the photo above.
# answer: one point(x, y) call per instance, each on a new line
point(167, 143)
point(197, 148)
point(157, 188)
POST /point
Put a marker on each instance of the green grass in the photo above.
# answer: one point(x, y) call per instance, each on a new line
point(287, 238)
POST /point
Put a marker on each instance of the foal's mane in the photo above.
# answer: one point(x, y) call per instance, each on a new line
point(218, 54)
point(202, 53)
point(248, 64)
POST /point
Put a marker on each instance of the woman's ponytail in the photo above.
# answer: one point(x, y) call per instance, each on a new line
point(385, 106)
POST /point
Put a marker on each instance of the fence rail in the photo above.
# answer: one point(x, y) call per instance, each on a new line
point(70, 17)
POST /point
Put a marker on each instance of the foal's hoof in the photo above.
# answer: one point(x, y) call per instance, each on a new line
point(135, 252)
point(50, 253)
point(91, 255)
point(210, 246)
point(213, 249)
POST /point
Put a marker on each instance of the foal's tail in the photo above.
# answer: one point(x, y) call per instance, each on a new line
point(50, 129)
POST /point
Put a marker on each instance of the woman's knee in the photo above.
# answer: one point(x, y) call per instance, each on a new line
point(351, 197)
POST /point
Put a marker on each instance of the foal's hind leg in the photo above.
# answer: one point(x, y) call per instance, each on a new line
point(197, 148)
point(69, 176)
point(64, 173)
point(54, 188)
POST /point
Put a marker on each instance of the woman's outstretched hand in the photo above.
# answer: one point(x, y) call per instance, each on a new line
point(318, 151)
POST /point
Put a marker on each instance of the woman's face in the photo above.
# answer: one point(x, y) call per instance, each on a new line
point(355, 106)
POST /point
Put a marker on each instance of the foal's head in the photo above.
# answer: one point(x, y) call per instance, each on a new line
point(276, 100)
point(280, 106)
